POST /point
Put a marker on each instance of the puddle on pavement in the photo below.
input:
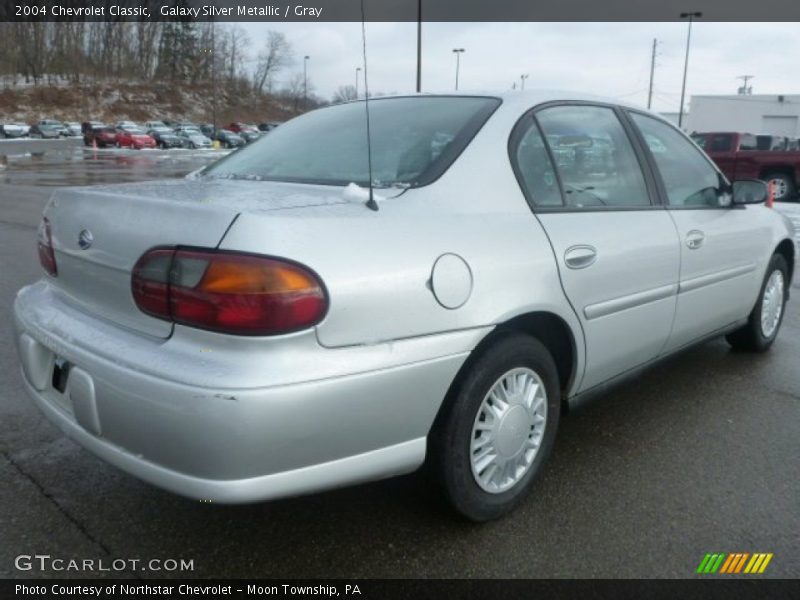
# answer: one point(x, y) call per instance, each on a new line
point(86, 166)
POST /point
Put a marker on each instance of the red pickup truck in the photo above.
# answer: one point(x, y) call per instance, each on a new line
point(738, 156)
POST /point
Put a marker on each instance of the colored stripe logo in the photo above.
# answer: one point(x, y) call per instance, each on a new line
point(734, 562)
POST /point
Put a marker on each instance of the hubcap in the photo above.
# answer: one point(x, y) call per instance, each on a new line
point(508, 430)
point(772, 304)
point(779, 188)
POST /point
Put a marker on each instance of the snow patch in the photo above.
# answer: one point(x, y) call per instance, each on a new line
point(355, 193)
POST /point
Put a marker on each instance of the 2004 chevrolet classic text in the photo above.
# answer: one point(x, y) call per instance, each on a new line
point(261, 329)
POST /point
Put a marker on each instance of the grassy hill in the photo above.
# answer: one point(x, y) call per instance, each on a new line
point(109, 102)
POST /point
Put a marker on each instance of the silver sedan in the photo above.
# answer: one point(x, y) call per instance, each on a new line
point(305, 313)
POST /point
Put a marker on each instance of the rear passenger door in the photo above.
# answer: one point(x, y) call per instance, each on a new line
point(616, 249)
point(720, 244)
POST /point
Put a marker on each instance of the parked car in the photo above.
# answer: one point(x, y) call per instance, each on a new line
point(228, 139)
point(133, 137)
point(45, 131)
point(235, 126)
point(100, 136)
point(150, 125)
point(126, 125)
point(208, 130)
point(165, 138)
point(250, 133)
point(73, 128)
point(192, 138)
point(184, 125)
point(52, 123)
point(282, 335)
point(738, 156)
point(268, 126)
point(14, 130)
point(88, 126)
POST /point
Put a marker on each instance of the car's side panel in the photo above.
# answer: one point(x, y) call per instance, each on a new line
point(626, 298)
point(721, 274)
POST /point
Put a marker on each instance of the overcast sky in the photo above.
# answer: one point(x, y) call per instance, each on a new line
point(611, 59)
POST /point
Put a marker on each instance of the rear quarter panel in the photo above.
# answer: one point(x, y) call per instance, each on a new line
point(377, 265)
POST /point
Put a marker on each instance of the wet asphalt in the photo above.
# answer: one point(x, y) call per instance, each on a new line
point(700, 454)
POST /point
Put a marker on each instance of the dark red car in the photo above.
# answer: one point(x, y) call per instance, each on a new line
point(129, 137)
point(737, 155)
point(102, 136)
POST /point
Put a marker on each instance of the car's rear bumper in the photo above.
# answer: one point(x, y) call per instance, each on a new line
point(235, 425)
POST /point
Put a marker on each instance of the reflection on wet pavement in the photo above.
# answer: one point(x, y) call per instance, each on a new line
point(87, 166)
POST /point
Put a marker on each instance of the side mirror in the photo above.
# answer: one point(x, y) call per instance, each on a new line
point(750, 191)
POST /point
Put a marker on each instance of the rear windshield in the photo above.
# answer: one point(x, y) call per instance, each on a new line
point(414, 140)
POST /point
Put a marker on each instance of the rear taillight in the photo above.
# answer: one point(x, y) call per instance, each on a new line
point(44, 243)
point(243, 294)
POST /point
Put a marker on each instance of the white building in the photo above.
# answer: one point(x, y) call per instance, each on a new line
point(759, 114)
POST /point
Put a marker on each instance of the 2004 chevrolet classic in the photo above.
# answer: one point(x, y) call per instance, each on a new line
point(266, 328)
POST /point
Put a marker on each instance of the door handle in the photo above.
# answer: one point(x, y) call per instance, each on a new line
point(695, 239)
point(580, 257)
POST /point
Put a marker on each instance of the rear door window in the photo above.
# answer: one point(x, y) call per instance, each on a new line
point(596, 162)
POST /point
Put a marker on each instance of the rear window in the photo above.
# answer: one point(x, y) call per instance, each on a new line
point(414, 140)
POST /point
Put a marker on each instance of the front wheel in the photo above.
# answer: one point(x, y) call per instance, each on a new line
point(497, 428)
point(782, 186)
point(765, 320)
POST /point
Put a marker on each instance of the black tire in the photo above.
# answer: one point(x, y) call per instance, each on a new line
point(451, 437)
point(750, 337)
point(784, 185)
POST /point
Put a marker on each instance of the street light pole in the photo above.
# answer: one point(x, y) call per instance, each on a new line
point(458, 52)
point(691, 16)
point(522, 79)
point(419, 46)
point(652, 74)
point(358, 69)
point(305, 82)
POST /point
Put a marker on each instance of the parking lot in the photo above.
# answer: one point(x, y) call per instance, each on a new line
point(701, 454)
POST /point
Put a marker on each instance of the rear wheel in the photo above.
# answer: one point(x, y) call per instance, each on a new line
point(782, 186)
point(766, 318)
point(497, 429)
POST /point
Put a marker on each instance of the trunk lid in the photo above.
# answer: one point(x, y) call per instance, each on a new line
point(125, 221)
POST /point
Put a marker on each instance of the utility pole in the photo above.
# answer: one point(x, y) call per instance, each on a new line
point(419, 46)
point(691, 16)
point(458, 52)
point(305, 82)
point(213, 76)
point(358, 70)
point(652, 73)
point(522, 79)
point(744, 90)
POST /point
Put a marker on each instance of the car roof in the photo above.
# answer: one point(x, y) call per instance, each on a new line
point(523, 100)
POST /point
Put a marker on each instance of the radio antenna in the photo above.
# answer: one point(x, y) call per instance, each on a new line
point(371, 203)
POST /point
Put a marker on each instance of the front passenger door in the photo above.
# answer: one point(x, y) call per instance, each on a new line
point(721, 245)
point(616, 251)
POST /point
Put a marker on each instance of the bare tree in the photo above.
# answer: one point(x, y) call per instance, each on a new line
point(344, 93)
point(276, 55)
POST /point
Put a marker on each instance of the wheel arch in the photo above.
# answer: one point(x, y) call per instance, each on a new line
point(789, 170)
point(787, 250)
point(549, 328)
